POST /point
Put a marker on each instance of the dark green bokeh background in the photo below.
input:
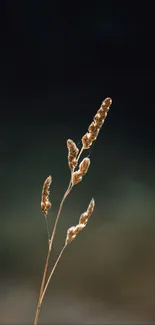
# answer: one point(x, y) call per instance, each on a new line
point(58, 63)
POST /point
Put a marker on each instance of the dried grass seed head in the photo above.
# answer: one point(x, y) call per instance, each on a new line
point(96, 125)
point(45, 203)
point(72, 233)
point(83, 168)
point(91, 207)
point(98, 121)
point(87, 141)
point(72, 154)
point(93, 131)
point(83, 218)
point(84, 165)
point(76, 177)
point(86, 215)
point(107, 103)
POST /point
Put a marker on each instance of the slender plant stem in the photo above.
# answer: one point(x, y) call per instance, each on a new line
point(41, 289)
point(58, 215)
point(43, 286)
point(47, 228)
point(51, 274)
point(48, 255)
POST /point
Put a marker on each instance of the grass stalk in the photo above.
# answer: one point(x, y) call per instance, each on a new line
point(76, 176)
point(49, 253)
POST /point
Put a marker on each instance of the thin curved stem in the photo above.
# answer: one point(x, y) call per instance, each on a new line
point(51, 274)
point(47, 229)
point(41, 289)
point(58, 215)
point(43, 286)
point(49, 252)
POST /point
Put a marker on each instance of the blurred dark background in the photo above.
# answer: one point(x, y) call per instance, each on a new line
point(58, 61)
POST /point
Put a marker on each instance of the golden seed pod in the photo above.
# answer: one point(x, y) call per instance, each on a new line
point(72, 154)
point(86, 141)
point(96, 125)
point(72, 233)
point(98, 120)
point(79, 227)
point(85, 216)
point(91, 207)
point(107, 103)
point(45, 207)
point(84, 165)
point(93, 127)
point(94, 130)
point(45, 203)
point(76, 177)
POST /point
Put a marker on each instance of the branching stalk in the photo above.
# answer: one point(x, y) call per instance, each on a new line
point(49, 253)
point(76, 177)
point(51, 274)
